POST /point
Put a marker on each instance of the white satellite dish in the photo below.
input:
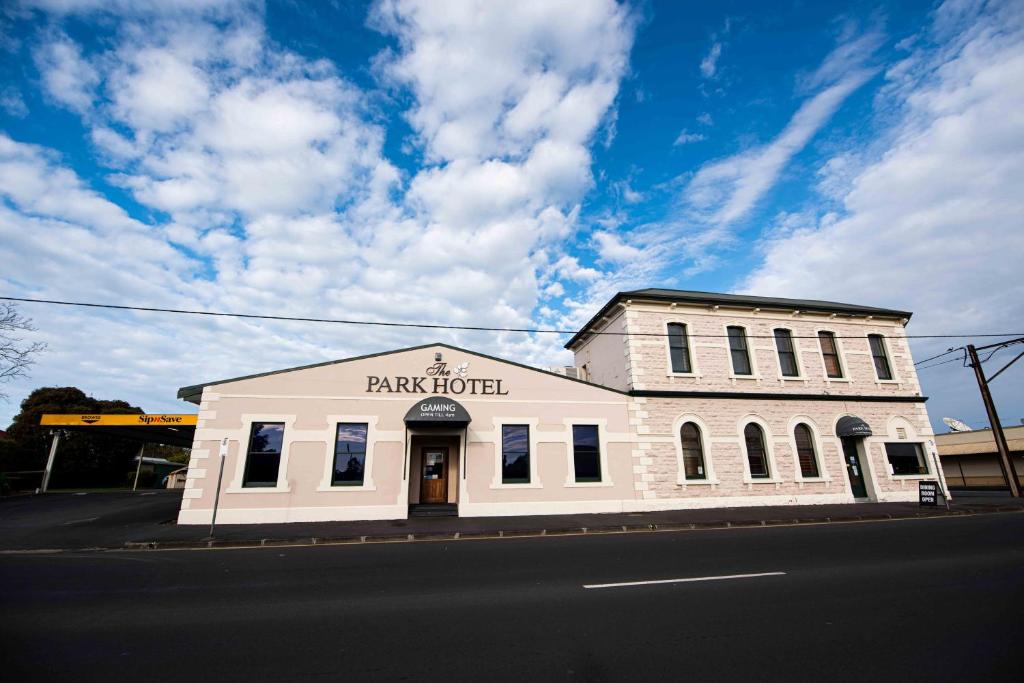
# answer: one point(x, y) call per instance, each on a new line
point(955, 424)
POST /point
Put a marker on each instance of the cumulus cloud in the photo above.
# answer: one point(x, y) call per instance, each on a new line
point(932, 224)
point(266, 188)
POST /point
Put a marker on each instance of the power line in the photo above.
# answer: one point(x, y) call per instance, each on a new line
point(470, 328)
point(935, 365)
point(944, 353)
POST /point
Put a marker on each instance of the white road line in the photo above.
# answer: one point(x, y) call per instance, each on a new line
point(690, 580)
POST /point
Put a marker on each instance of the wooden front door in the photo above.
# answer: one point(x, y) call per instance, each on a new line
point(854, 469)
point(434, 483)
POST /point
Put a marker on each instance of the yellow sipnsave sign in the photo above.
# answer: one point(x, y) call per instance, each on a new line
point(118, 420)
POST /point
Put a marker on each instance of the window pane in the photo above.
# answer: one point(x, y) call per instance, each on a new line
point(787, 356)
point(882, 368)
point(738, 350)
point(757, 457)
point(693, 452)
point(350, 454)
point(586, 453)
point(805, 451)
point(515, 454)
point(830, 354)
point(678, 348)
point(263, 459)
point(906, 458)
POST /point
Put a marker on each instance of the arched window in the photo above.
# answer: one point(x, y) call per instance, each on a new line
point(693, 452)
point(805, 451)
point(757, 454)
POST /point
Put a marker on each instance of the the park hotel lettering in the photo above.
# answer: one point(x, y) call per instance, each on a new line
point(437, 379)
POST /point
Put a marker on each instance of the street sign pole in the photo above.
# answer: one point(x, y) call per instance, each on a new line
point(220, 477)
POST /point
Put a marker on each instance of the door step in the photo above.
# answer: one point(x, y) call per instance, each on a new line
point(434, 510)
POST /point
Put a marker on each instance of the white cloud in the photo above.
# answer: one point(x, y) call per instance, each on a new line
point(67, 77)
point(610, 247)
point(12, 102)
point(685, 137)
point(272, 193)
point(705, 119)
point(933, 224)
point(709, 64)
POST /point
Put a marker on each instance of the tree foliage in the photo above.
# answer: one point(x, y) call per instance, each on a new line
point(84, 459)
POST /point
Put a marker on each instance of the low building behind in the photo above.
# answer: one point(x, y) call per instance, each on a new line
point(971, 459)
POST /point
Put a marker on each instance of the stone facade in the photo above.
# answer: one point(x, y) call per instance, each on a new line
point(721, 403)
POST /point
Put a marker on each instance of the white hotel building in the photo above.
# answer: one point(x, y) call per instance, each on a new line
point(683, 400)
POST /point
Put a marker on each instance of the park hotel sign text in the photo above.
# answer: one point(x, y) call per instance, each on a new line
point(437, 379)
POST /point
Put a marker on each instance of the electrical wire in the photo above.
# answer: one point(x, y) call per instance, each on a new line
point(432, 326)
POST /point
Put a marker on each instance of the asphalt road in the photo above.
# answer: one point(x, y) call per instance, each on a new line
point(930, 600)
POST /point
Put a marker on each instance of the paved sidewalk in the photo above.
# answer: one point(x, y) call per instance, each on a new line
point(145, 521)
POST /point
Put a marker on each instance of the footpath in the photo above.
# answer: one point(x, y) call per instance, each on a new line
point(64, 522)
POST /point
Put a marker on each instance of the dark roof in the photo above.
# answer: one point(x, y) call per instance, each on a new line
point(743, 300)
point(194, 393)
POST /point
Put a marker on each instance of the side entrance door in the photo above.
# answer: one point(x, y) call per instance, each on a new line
point(434, 486)
point(853, 468)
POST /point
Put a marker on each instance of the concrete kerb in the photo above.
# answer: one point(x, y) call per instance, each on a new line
point(406, 537)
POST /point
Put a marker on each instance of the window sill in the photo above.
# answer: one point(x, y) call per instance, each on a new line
point(691, 375)
point(888, 381)
point(905, 477)
point(587, 484)
point(813, 480)
point(529, 485)
point(793, 379)
point(753, 377)
point(258, 489)
point(698, 482)
point(323, 488)
point(750, 480)
point(845, 380)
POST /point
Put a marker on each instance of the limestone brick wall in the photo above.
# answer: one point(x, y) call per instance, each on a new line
point(650, 369)
point(658, 456)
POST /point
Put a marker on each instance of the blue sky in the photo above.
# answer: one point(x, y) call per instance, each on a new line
point(497, 164)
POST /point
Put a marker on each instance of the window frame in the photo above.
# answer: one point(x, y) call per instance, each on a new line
point(496, 477)
point(705, 436)
point(887, 355)
point(246, 482)
point(241, 454)
point(687, 347)
point(768, 441)
point(335, 483)
point(700, 444)
point(922, 455)
point(573, 477)
point(751, 357)
point(816, 456)
point(838, 343)
point(778, 353)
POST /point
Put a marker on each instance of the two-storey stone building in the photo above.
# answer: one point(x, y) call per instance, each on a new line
point(684, 399)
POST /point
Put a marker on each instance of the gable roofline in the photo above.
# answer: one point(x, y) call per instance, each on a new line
point(194, 393)
point(740, 300)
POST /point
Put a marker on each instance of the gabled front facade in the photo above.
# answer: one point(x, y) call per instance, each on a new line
point(684, 402)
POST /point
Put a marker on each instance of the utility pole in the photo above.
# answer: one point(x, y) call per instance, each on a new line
point(1005, 461)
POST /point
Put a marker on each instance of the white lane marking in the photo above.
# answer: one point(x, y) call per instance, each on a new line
point(690, 580)
point(80, 521)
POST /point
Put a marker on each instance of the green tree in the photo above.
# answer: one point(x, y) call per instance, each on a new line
point(84, 459)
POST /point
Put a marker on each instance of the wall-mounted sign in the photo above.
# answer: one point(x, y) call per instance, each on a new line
point(437, 410)
point(438, 378)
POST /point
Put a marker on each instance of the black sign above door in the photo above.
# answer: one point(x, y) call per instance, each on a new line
point(849, 425)
point(437, 410)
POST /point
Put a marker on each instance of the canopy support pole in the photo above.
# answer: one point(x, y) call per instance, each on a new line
point(138, 468)
point(49, 461)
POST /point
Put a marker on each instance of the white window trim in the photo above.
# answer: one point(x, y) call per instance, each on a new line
point(331, 436)
point(694, 369)
point(244, 436)
point(710, 479)
point(773, 468)
point(602, 445)
point(913, 436)
point(819, 453)
point(755, 373)
point(532, 423)
point(843, 366)
point(888, 356)
point(799, 376)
